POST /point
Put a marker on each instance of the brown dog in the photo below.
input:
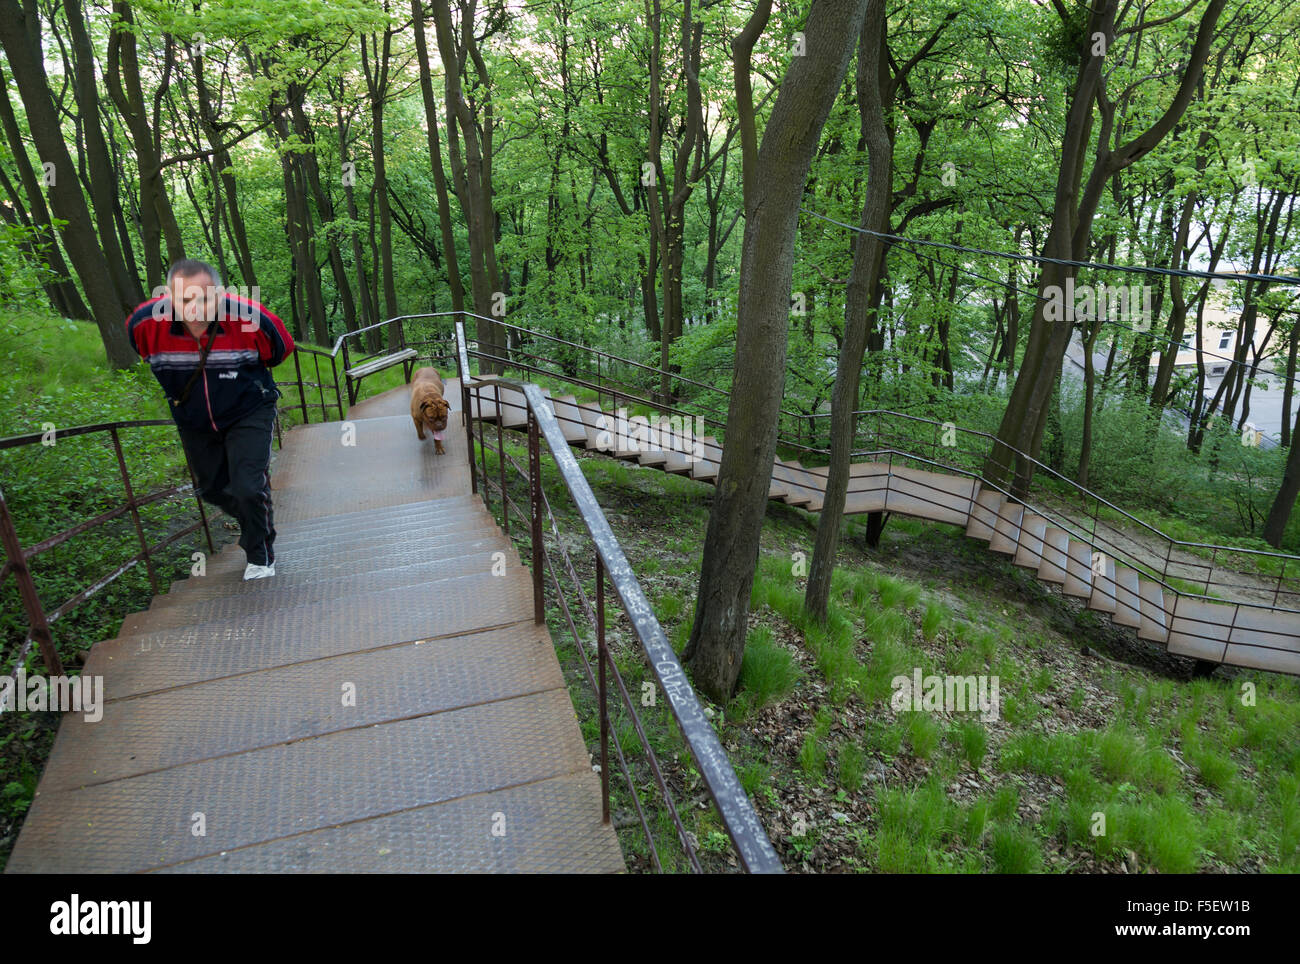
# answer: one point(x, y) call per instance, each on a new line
point(428, 407)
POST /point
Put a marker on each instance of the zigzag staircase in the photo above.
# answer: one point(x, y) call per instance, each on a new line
point(1242, 633)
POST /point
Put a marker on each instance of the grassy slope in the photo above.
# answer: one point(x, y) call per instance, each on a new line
point(1107, 756)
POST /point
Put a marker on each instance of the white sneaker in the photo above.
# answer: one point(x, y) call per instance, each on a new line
point(254, 571)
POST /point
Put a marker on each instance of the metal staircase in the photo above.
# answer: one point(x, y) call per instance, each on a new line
point(1059, 549)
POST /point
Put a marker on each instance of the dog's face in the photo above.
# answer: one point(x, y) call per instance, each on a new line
point(435, 413)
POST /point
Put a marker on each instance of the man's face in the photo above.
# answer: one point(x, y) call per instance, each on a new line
point(194, 300)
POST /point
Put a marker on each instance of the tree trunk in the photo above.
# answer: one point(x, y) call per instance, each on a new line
point(103, 182)
point(790, 139)
point(435, 160)
point(1026, 415)
point(158, 220)
point(64, 296)
point(1280, 512)
point(19, 36)
point(472, 182)
point(377, 84)
point(868, 253)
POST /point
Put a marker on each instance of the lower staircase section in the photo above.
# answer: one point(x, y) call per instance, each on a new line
point(1251, 634)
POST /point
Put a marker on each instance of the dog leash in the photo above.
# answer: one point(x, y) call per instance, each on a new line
point(203, 360)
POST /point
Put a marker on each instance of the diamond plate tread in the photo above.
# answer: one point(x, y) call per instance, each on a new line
point(307, 551)
point(336, 569)
point(225, 574)
point(207, 720)
point(386, 465)
point(220, 648)
point(551, 826)
point(145, 822)
point(432, 511)
point(243, 600)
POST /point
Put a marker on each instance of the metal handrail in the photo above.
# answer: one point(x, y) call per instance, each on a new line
point(38, 618)
point(739, 819)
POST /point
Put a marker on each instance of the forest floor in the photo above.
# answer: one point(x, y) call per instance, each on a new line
point(1107, 755)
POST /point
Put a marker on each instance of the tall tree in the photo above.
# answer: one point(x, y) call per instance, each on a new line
point(1074, 208)
point(20, 32)
point(774, 185)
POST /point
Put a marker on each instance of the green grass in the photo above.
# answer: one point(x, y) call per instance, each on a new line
point(923, 734)
point(973, 742)
point(851, 766)
point(768, 672)
point(1015, 850)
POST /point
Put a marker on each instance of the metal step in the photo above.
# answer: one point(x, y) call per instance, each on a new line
point(706, 468)
point(599, 428)
point(219, 648)
point(190, 723)
point(300, 567)
point(431, 511)
point(1199, 629)
point(792, 476)
point(811, 481)
point(310, 586)
point(1055, 543)
point(514, 406)
point(984, 513)
point(1029, 550)
point(232, 558)
point(930, 495)
point(1155, 619)
point(1128, 604)
point(1006, 530)
point(1104, 591)
point(570, 418)
point(282, 791)
point(553, 825)
point(396, 526)
point(866, 488)
point(1078, 578)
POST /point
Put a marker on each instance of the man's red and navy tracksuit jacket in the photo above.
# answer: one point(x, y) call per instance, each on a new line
point(236, 380)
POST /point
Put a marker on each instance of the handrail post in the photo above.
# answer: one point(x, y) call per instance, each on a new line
point(346, 377)
point(302, 389)
point(320, 388)
point(535, 492)
point(465, 411)
point(602, 654)
point(27, 590)
point(338, 392)
point(135, 512)
point(482, 448)
point(501, 458)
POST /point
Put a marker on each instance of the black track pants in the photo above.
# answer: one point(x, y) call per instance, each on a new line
point(233, 469)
